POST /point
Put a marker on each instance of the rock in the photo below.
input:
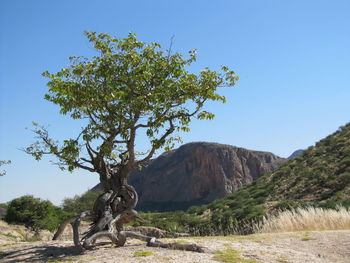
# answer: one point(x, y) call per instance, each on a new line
point(198, 173)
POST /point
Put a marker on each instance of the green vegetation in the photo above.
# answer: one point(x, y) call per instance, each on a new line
point(320, 177)
point(231, 256)
point(34, 213)
point(129, 88)
point(3, 209)
point(2, 173)
point(143, 253)
point(79, 204)
point(9, 235)
point(8, 244)
point(282, 260)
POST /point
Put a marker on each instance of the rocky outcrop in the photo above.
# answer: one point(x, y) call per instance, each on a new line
point(198, 173)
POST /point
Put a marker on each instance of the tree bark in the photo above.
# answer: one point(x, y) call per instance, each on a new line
point(113, 209)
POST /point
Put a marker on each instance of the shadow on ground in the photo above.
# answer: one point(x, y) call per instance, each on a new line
point(40, 253)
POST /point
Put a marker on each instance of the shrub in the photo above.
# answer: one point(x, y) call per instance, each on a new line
point(34, 213)
point(79, 204)
point(286, 205)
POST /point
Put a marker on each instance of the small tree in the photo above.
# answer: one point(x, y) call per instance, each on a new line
point(128, 87)
point(33, 213)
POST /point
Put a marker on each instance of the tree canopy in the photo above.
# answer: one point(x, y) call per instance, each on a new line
point(2, 173)
point(127, 87)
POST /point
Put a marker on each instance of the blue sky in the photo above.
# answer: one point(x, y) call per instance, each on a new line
point(292, 57)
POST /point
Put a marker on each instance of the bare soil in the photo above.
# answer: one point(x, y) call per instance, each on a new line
point(296, 247)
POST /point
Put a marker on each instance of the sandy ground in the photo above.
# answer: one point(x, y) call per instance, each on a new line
point(298, 247)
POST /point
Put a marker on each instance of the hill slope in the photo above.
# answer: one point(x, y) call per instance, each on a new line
point(295, 154)
point(320, 176)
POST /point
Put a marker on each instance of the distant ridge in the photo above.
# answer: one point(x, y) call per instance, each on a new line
point(296, 153)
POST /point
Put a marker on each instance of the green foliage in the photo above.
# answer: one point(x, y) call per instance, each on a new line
point(3, 209)
point(34, 213)
point(173, 222)
point(129, 85)
point(231, 256)
point(287, 205)
point(9, 235)
point(3, 163)
point(79, 204)
point(143, 253)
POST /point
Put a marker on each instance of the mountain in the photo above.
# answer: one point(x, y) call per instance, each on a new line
point(320, 176)
point(296, 153)
point(198, 173)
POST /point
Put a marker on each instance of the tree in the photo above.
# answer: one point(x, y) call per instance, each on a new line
point(129, 88)
point(33, 213)
point(79, 204)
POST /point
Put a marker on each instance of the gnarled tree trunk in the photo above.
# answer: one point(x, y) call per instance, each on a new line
point(113, 209)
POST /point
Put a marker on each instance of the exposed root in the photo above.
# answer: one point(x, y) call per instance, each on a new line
point(151, 241)
point(111, 211)
point(63, 225)
point(76, 224)
point(89, 242)
point(180, 246)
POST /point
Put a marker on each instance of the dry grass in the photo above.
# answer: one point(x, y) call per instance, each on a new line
point(305, 219)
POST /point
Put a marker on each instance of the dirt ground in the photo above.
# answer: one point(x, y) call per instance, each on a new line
point(296, 247)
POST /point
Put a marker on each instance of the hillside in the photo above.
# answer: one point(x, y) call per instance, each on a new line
point(198, 173)
point(295, 154)
point(320, 176)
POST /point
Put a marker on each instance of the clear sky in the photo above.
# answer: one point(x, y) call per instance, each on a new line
point(292, 57)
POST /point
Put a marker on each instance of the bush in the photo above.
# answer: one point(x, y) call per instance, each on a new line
point(34, 213)
point(79, 204)
point(3, 208)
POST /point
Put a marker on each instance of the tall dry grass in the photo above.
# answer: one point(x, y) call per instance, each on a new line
point(305, 219)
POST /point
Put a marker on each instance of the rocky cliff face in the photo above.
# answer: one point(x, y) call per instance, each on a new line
point(198, 173)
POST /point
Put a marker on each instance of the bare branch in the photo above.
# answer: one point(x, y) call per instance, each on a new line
point(154, 147)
